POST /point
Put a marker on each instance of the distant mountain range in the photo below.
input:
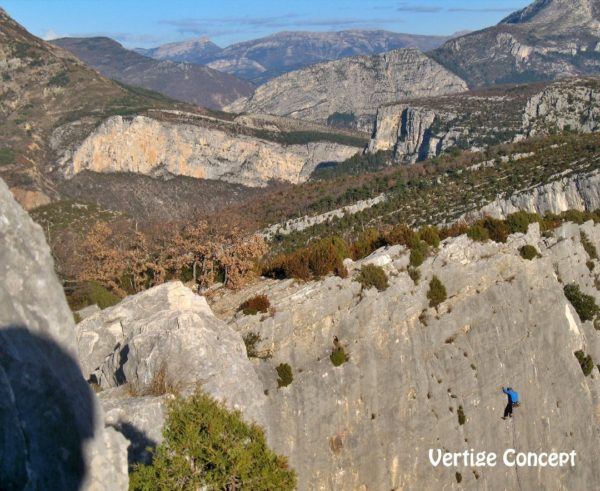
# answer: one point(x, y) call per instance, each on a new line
point(549, 39)
point(186, 82)
point(260, 60)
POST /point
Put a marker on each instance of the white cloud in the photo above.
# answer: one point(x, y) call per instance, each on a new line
point(51, 34)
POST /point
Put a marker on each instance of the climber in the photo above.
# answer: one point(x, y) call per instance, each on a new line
point(513, 401)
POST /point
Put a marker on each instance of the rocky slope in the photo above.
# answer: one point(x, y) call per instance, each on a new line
point(186, 82)
point(149, 147)
point(412, 369)
point(549, 39)
point(421, 129)
point(355, 87)
point(52, 427)
point(262, 59)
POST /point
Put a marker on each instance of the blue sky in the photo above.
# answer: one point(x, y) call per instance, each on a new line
point(147, 23)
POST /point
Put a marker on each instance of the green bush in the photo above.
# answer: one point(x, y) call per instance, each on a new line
point(251, 339)
point(520, 221)
point(92, 293)
point(437, 292)
point(61, 79)
point(414, 274)
point(338, 357)
point(207, 446)
point(285, 376)
point(529, 252)
point(588, 246)
point(478, 233)
point(366, 243)
point(7, 156)
point(585, 305)
point(372, 276)
point(497, 229)
point(586, 362)
point(254, 305)
point(462, 419)
point(431, 236)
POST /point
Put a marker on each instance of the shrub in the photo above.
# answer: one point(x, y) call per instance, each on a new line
point(367, 242)
point(373, 276)
point(529, 252)
point(585, 362)
point(207, 446)
point(458, 476)
point(254, 305)
point(7, 156)
point(520, 221)
point(418, 253)
point(403, 235)
point(285, 377)
point(478, 233)
point(575, 216)
point(585, 305)
point(588, 246)
point(338, 357)
point(414, 274)
point(462, 419)
point(497, 229)
point(251, 339)
point(437, 292)
point(92, 293)
point(430, 235)
point(61, 79)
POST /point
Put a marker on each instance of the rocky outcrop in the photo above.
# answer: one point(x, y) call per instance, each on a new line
point(355, 86)
point(575, 192)
point(52, 428)
point(369, 424)
point(146, 146)
point(421, 129)
point(572, 106)
point(168, 339)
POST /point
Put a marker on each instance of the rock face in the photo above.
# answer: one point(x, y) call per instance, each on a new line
point(168, 336)
point(370, 423)
point(146, 146)
point(52, 429)
point(262, 59)
point(548, 40)
point(195, 84)
point(354, 86)
point(421, 129)
point(577, 192)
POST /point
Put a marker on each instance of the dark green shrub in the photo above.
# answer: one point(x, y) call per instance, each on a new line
point(437, 292)
point(478, 233)
point(585, 305)
point(462, 419)
point(7, 156)
point(92, 293)
point(458, 476)
point(529, 252)
point(285, 377)
point(586, 362)
point(418, 254)
point(338, 357)
point(403, 235)
point(575, 216)
point(207, 446)
point(520, 221)
point(588, 246)
point(254, 305)
point(590, 265)
point(372, 276)
point(61, 79)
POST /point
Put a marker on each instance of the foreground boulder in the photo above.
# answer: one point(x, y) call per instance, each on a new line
point(51, 426)
point(166, 339)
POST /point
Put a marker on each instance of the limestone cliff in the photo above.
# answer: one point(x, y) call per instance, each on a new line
point(422, 129)
point(355, 86)
point(146, 146)
point(369, 423)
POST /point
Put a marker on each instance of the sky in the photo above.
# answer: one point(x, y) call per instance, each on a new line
point(148, 23)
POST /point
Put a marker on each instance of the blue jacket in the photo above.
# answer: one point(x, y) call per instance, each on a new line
point(514, 396)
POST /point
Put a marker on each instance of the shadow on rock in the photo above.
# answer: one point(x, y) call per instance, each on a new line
point(139, 451)
point(46, 413)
